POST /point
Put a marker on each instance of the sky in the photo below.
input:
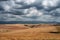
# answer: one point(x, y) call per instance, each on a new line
point(30, 10)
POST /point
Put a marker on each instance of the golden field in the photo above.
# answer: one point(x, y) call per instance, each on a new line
point(29, 32)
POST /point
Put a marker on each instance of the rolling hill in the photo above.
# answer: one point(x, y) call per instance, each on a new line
point(36, 32)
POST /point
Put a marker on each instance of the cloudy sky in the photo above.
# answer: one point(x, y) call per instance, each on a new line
point(30, 10)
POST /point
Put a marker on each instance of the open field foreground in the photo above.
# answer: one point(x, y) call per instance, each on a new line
point(29, 32)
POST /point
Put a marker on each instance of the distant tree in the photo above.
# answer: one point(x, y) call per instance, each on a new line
point(58, 24)
point(32, 26)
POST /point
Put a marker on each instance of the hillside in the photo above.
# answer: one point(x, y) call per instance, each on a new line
point(38, 32)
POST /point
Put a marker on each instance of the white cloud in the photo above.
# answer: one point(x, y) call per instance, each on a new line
point(50, 3)
point(7, 8)
point(18, 1)
point(26, 11)
point(31, 10)
point(29, 1)
point(10, 17)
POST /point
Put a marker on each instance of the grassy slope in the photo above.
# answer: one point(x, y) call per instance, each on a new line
point(32, 34)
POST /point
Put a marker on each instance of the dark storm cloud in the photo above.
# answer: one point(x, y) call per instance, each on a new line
point(30, 10)
point(3, 0)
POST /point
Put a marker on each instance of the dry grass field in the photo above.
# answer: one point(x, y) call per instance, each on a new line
point(29, 32)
